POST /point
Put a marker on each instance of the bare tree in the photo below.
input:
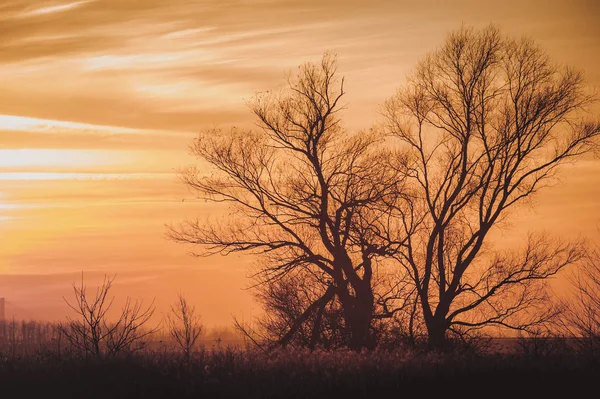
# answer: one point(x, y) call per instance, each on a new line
point(129, 332)
point(184, 325)
point(92, 333)
point(488, 121)
point(87, 333)
point(300, 311)
point(582, 307)
point(304, 193)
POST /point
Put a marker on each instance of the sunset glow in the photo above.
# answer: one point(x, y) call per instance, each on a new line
point(100, 100)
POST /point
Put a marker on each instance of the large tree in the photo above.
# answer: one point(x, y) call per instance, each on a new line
point(305, 194)
point(487, 120)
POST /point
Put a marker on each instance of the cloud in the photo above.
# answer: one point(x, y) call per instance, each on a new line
point(146, 63)
point(184, 64)
point(54, 9)
point(18, 132)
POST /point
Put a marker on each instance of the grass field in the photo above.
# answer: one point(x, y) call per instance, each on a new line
point(235, 373)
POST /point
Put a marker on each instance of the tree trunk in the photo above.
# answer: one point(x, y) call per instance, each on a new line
point(358, 314)
point(436, 332)
point(360, 328)
point(357, 299)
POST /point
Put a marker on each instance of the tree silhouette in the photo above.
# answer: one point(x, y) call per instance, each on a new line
point(184, 325)
point(92, 333)
point(303, 192)
point(487, 121)
point(581, 317)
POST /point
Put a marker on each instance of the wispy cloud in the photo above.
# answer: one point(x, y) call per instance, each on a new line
point(55, 8)
point(183, 64)
point(36, 176)
point(21, 123)
point(17, 132)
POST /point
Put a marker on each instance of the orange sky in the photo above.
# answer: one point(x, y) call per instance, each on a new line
point(100, 98)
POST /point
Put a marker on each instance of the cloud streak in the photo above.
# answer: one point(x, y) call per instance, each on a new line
point(54, 9)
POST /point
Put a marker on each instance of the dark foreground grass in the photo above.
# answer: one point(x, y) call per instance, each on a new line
point(229, 373)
